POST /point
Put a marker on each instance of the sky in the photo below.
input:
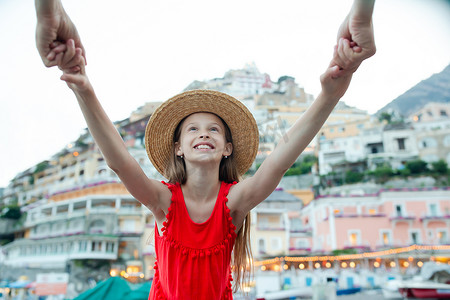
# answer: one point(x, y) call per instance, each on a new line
point(145, 51)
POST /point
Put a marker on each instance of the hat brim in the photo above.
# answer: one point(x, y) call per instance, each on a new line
point(165, 119)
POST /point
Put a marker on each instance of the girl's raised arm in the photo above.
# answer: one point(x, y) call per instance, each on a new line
point(152, 193)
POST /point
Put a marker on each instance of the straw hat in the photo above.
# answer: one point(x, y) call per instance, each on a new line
point(165, 119)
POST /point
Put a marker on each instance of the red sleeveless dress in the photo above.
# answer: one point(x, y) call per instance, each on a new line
point(193, 259)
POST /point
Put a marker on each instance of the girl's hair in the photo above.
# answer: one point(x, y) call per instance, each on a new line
point(176, 172)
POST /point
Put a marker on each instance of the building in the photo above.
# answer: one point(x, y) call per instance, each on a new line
point(386, 219)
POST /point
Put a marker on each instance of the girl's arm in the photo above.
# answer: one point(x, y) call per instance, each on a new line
point(250, 192)
point(147, 191)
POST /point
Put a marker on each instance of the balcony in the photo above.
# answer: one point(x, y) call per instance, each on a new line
point(384, 245)
point(346, 215)
point(299, 249)
point(408, 216)
point(434, 216)
point(270, 228)
point(361, 245)
point(374, 215)
point(301, 230)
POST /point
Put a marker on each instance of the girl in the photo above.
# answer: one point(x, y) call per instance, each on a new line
point(203, 142)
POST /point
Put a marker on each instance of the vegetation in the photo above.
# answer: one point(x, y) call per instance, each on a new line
point(303, 166)
point(353, 177)
point(344, 251)
point(415, 168)
point(11, 212)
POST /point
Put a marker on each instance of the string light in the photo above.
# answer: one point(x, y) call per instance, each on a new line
point(376, 254)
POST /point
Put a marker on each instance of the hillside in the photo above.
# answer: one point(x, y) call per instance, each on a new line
point(434, 89)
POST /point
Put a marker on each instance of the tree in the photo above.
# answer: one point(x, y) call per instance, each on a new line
point(353, 177)
point(417, 166)
point(384, 116)
point(440, 166)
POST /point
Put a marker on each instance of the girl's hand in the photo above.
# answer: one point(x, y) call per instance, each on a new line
point(334, 81)
point(71, 61)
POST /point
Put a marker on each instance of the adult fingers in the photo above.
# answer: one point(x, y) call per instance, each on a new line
point(69, 54)
point(57, 49)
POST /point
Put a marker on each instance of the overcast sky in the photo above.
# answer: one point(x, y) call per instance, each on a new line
point(141, 50)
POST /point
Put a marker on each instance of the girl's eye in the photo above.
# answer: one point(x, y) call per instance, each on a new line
point(192, 128)
point(214, 129)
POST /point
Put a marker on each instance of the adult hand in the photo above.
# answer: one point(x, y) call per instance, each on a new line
point(358, 29)
point(53, 27)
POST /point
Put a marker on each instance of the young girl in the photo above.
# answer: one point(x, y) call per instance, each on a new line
point(202, 141)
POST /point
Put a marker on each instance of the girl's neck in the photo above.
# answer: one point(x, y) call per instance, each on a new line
point(201, 184)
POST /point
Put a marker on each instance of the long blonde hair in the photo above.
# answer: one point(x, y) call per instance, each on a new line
point(176, 172)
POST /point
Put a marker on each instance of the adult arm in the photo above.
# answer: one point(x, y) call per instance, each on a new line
point(357, 28)
point(53, 26)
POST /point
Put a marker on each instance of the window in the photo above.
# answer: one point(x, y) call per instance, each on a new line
point(262, 246)
point(301, 244)
point(276, 244)
point(442, 236)
point(433, 209)
point(386, 238)
point(443, 113)
point(401, 143)
point(354, 237)
point(399, 210)
point(414, 237)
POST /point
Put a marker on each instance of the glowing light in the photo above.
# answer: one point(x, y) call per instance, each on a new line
point(76, 154)
point(123, 273)
point(352, 264)
point(392, 264)
point(406, 264)
point(328, 265)
point(344, 265)
point(276, 268)
point(113, 273)
point(142, 275)
point(69, 146)
point(419, 264)
point(410, 258)
point(285, 267)
point(376, 264)
point(126, 275)
point(317, 265)
point(301, 266)
point(263, 268)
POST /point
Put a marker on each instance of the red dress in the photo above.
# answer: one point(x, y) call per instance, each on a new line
point(193, 259)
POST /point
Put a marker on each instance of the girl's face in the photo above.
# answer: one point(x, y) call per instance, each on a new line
point(203, 139)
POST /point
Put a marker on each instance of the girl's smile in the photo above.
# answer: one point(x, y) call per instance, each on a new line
point(203, 133)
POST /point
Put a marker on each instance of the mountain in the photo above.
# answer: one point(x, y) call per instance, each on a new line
point(434, 89)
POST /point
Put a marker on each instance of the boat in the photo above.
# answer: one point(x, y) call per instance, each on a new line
point(432, 283)
point(390, 290)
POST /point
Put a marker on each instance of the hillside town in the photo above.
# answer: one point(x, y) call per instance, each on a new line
point(366, 184)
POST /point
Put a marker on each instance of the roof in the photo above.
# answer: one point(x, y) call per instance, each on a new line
point(282, 196)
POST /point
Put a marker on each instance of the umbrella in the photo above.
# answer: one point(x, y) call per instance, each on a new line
point(19, 284)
